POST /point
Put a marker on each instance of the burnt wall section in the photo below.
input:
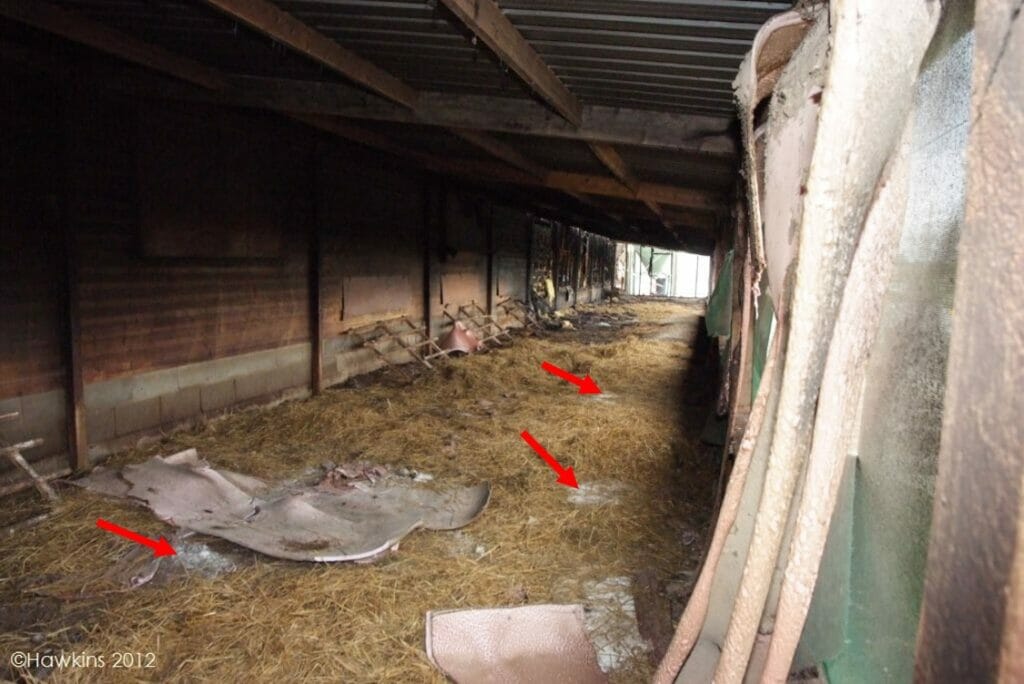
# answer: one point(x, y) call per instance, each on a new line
point(193, 232)
point(512, 234)
point(569, 265)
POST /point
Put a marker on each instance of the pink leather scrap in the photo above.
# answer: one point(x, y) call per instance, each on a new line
point(527, 645)
point(460, 338)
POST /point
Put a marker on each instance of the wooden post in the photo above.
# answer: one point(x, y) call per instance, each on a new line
point(428, 248)
point(527, 293)
point(490, 260)
point(556, 262)
point(316, 312)
point(78, 440)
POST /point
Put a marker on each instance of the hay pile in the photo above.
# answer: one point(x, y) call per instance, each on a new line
point(290, 621)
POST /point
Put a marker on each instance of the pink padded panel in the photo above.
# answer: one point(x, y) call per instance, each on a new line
point(527, 645)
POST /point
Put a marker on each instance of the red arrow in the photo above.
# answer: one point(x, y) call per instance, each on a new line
point(160, 548)
point(586, 384)
point(565, 475)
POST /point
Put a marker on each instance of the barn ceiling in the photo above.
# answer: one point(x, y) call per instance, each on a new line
point(621, 106)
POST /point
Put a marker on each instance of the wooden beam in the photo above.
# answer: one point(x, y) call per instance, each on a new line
point(283, 27)
point(98, 36)
point(354, 133)
point(286, 29)
point(610, 187)
point(498, 149)
point(486, 20)
point(614, 162)
point(565, 181)
point(690, 133)
point(700, 220)
point(79, 29)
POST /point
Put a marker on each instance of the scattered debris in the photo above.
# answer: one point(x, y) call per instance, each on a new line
point(543, 643)
point(357, 512)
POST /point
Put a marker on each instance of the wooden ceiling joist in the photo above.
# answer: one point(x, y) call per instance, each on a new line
point(486, 20)
point(52, 19)
point(286, 29)
point(688, 133)
point(514, 168)
point(609, 187)
point(498, 149)
point(614, 162)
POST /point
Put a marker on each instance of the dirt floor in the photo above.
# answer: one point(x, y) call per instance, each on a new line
point(627, 544)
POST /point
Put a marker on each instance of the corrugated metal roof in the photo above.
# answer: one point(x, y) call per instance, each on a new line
point(678, 55)
point(419, 42)
point(668, 55)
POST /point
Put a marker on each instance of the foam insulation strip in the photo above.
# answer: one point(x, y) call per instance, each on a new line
point(877, 48)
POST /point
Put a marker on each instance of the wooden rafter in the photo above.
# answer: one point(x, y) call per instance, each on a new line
point(687, 133)
point(655, 192)
point(286, 29)
point(614, 162)
point(691, 133)
point(565, 181)
point(516, 169)
point(498, 149)
point(486, 20)
point(79, 29)
point(281, 26)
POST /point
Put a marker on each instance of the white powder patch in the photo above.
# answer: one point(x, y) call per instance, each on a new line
point(610, 619)
point(597, 493)
point(198, 557)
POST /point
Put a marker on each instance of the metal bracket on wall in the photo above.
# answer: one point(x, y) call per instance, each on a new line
point(518, 310)
point(381, 336)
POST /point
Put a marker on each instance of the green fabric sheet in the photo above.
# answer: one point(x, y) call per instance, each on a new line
point(719, 316)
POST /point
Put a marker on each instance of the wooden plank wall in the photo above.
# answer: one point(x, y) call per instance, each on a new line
point(155, 305)
point(373, 211)
point(141, 313)
point(30, 243)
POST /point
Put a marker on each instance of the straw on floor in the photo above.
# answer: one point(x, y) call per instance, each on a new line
point(356, 623)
